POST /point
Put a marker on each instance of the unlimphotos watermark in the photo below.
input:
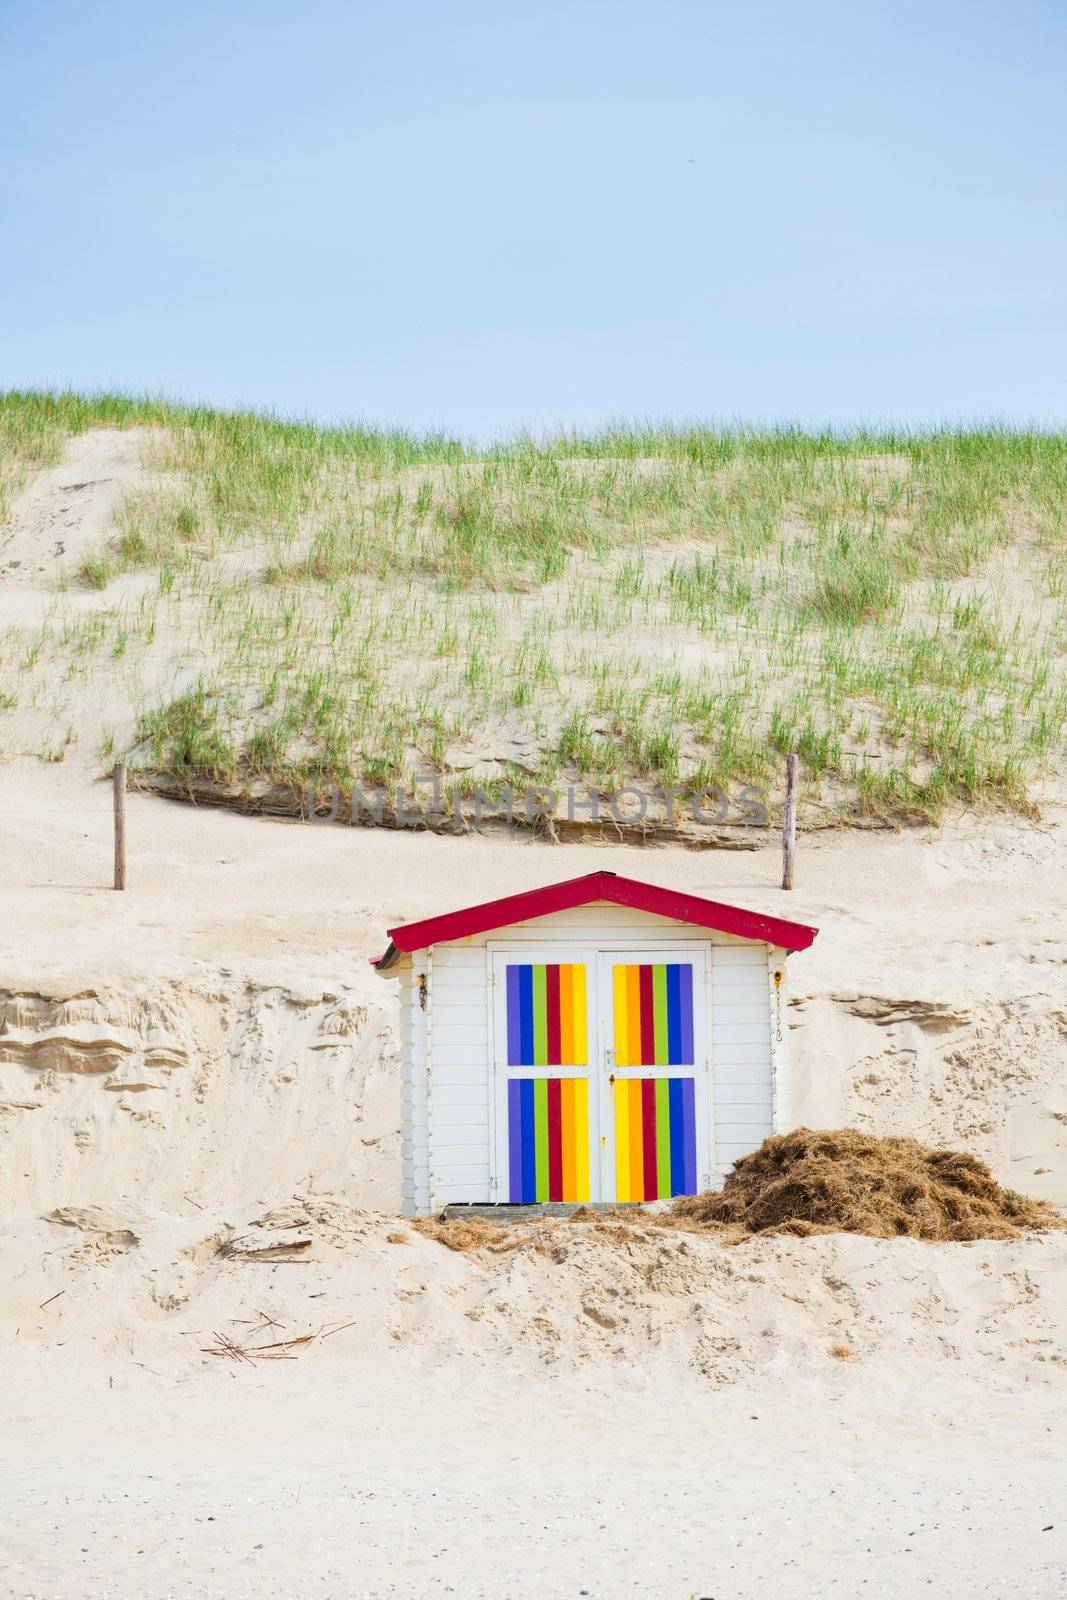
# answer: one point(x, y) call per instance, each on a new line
point(631, 805)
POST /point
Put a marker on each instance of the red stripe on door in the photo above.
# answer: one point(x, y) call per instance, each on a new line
point(648, 1019)
point(648, 1130)
point(552, 1007)
point(555, 1139)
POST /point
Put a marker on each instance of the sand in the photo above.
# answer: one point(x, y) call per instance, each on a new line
point(209, 1060)
point(66, 513)
point(826, 1415)
point(831, 1415)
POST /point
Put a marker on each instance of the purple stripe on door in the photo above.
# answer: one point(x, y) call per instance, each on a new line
point(685, 1005)
point(515, 1139)
point(514, 1031)
point(690, 1122)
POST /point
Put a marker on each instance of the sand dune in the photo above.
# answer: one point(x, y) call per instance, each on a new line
point(199, 1074)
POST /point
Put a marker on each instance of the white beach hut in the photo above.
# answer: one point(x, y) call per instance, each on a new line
point(600, 1039)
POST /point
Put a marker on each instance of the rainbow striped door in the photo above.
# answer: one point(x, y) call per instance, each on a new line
point(546, 1107)
point(657, 1059)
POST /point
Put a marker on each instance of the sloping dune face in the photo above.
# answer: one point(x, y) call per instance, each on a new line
point(172, 1096)
point(65, 512)
point(252, 606)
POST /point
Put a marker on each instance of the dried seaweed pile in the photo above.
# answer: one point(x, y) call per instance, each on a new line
point(804, 1182)
point(844, 1181)
point(468, 1234)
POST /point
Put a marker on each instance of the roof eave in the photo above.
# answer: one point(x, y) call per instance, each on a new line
point(389, 958)
point(471, 921)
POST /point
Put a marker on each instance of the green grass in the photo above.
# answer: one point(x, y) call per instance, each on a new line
point(643, 604)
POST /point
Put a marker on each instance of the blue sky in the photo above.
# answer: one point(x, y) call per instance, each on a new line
point(490, 216)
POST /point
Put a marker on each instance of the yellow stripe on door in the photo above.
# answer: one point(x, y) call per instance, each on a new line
point(621, 1037)
point(580, 1087)
point(637, 1141)
point(566, 1015)
point(578, 1023)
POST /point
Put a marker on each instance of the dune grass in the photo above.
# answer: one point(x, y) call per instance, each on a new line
point(674, 607)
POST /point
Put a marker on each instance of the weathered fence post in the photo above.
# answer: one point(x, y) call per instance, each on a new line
point(789, 822)
point(119, 793)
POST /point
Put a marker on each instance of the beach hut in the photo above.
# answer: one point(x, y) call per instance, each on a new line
point(600, 1039)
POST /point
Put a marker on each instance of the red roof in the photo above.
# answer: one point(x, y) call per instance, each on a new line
point(595, 886)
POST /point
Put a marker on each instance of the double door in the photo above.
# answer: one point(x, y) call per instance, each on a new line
point(601, 1071)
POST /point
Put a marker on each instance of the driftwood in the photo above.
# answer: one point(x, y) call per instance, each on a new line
point(119, 803)
point(232, 1349)
point(253, 1247)
point(789, 822)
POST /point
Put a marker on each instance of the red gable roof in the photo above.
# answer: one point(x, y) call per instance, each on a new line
point(608, 886)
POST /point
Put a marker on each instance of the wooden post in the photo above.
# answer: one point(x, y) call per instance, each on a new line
point(789, 822)
point(119, 791)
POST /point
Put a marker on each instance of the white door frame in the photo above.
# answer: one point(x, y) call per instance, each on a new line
point(700, 1070)
point(600, 1068)
point(499, 957)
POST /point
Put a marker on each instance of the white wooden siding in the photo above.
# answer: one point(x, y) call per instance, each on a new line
point(414, 1092)
point(740, 1051)
point(601, 922)
point(459, 1088)
point(447, 1129)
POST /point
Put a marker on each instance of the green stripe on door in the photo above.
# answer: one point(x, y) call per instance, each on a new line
point(540, 1016)
point(541, 1112)
point(663, 1136)
point(659, 1014)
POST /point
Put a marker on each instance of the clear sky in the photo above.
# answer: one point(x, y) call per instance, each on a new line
point(489, 214)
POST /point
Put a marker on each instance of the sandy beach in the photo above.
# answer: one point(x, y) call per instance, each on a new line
point(832, 1415)
point(533, 802)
